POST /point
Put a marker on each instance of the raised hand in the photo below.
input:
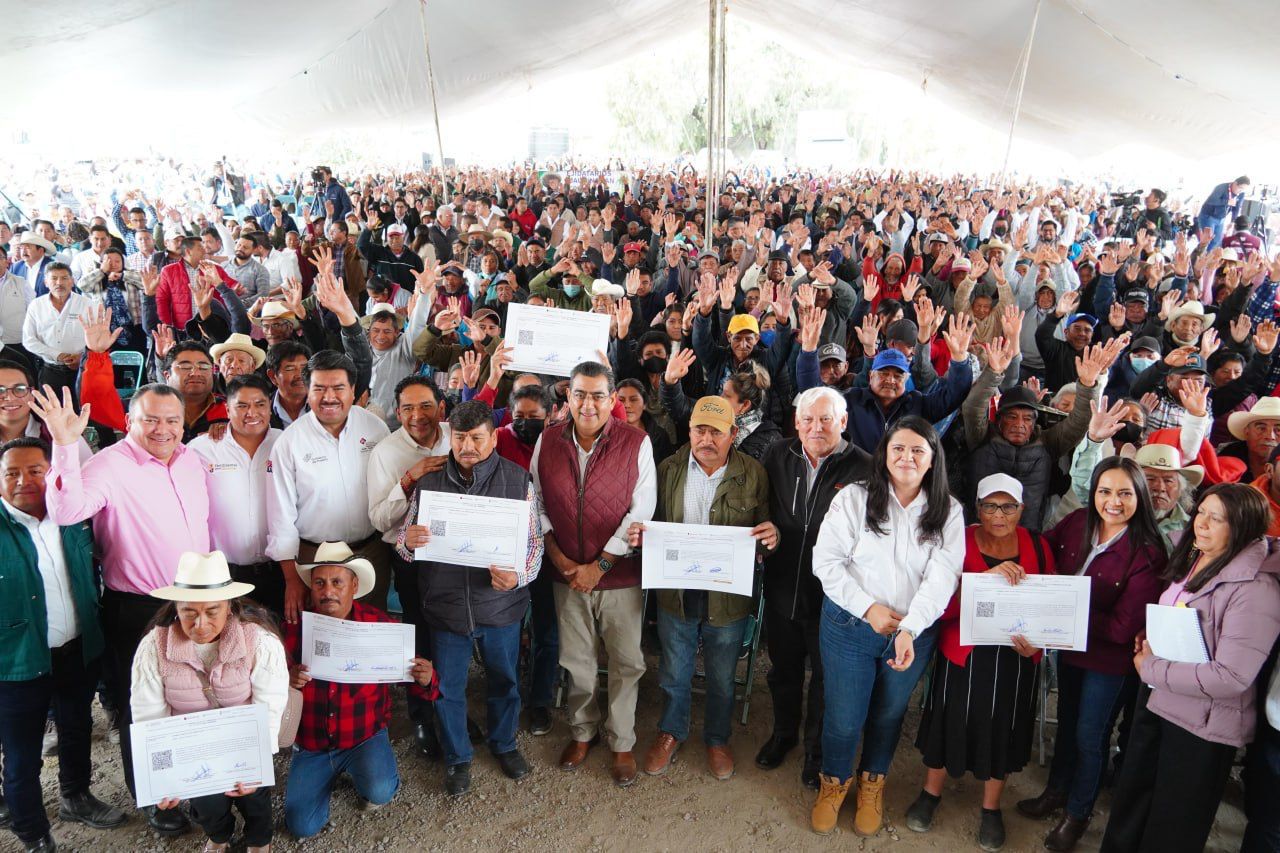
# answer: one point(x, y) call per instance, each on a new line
point(909, 288)
point(331, 294)
point(782, 303)
point(1241, 327)
point(678, 366)
point(1067, 303)
point(868, 333)
point(1000, 353)
point(727, 292)
point(1194, 397)
point(958, 335)
point(1090, 363)
point(150, 281)
point(1209, 343)
point(1033, 385)
point(1264, 337)
point(871, 287)
point(633, 282)
point(624, 316)
point(163, 339)
point(470, 362)
point(96, 322)
point(1011, 322)
point(1104, 422)
point(811, 329)
point(1115, 315)
point(60, 418)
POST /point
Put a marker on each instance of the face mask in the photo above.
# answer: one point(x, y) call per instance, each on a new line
point(1000, 230)
point(453, 396)
point(654, 364)
point(767, 336)
point(1128, 434)
point(527, 429)
point(572, 290)
point(1141, 364)
point(486, 340)
point(477, 245)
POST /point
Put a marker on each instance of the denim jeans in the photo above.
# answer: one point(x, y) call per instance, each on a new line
point(720, 648)
point(1088, 703)
point(1217, 225)
point(24, 708)
point(500, 651)
point(861, 691)
point(546, 640)
point(370, 764)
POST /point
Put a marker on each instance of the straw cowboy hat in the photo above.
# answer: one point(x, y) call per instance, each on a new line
point(604, 287)
point(239, 343)
point(275, 310)
point(1266, 409)
point(31, 238)
point(378, 311)
point(1163, 457)
point(1187, 309)
point(202, 577)
point(339, 554)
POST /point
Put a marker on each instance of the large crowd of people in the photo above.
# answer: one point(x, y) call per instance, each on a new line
point(221, 411)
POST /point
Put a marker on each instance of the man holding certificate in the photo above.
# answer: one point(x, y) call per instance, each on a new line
point(465, 603)
point(344, 726)
point(708, 481)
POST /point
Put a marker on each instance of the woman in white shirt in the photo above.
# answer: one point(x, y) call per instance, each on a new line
point(210, 647)
point(889, 556)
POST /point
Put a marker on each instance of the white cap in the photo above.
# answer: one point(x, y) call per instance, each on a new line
point(995, 483)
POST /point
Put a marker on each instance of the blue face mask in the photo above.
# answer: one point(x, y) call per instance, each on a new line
point(1141, 364)
point(767, 336)
point(572, 290)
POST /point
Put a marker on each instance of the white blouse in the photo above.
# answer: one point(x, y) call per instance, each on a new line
point(269, 681)
point(859, 568)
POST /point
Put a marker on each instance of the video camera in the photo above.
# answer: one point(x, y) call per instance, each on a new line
point(317, 174)
point(1126, 199)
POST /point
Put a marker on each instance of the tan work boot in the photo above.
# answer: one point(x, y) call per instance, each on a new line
point(870, 798)
point(831, 796)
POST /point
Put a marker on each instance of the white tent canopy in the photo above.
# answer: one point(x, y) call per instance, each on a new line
point(1179, 75)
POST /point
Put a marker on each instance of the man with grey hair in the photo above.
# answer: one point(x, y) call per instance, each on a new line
point(805, 473)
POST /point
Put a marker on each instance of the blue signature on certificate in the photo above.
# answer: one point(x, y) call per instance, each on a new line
point(205, 772)
point(467, 547)
point(699, 569)
point(351, 666)
point(240, 765)
point(383, 667)
point(1019, 626)
point(550, 358)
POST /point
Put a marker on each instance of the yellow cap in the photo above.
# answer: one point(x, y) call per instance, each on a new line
point(714, 412)
point(743, 323)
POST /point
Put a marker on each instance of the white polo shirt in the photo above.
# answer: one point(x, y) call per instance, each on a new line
point(237, 496)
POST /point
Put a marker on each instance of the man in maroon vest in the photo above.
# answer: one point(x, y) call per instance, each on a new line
point(594, 476)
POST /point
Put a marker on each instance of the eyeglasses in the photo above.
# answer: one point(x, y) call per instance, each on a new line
point(15, 390)
point(187, 367)
point(988, 508)
point(598, 397)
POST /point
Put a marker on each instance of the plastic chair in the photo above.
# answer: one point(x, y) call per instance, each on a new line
point(751, 649)
point(1048, 674)
point(128, 367)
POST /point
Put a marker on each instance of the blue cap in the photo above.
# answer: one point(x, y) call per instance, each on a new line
point(891, 358)
point(1088, 318)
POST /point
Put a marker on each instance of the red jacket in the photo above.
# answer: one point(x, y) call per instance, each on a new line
point(585, 520)
point(887, 290)
point(1124, 582)
point(173, 296)
point(949, 621)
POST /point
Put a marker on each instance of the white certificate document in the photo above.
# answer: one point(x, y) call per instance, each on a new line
point(194, 755)
point(471, 530)
point(348, 652)
point(553, 340)
point(698, 556)
point(1174, 634)
point(1051, 611)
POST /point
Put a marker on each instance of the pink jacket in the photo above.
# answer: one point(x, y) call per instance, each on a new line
point(228, 679)
point(1240, 616)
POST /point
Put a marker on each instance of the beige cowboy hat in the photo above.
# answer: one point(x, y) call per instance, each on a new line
point(604, 287)
point(1187, 309)
point(995, 243)
point(505, 236)
point(274, 310)
point(478, 230)
point(1165, 457)
point(382, 309)
point(339, 554)
point(31, 238)
point(239, 343)
point(202, 577)
point(1268, 408)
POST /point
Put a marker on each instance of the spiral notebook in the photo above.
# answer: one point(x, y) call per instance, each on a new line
point(1174, 634)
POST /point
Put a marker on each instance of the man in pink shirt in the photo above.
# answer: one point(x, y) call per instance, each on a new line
point(148, 499)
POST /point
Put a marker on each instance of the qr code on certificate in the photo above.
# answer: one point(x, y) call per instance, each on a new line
point(162, 760)
point(322, 648)
point(986, 609)
point(672, 555)
point(439, 527)
point(525, 337)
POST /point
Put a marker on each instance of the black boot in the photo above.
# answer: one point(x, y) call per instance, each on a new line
point(811, 770)
point(457, 779)
point(167, 822)
point(1044, 805)
point(424, 733)
point(991, 830)
point(5, 818)
point(920, 813)
point(1066, 834)
point(774, 751)
point(87, 809)
point(44, 844)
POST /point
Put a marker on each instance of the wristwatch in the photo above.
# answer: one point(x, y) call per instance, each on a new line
point(605, 564)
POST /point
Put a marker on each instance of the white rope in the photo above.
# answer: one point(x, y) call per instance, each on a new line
point(1022, 83)
point(435, 105)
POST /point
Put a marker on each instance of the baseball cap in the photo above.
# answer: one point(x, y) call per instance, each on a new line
point(1088, 318)
point(714, 412)
point(778, 255)
point(708, 253)
point(1145, 342)
point(484, 313)
point(832, 351)
point(1195, 364)
point(1136, 295)
point(396, 228)
point(634, 246)
point(890, 358)
point(902, 331)
point(996, 483)
point(743, 323)
point(1019, 396)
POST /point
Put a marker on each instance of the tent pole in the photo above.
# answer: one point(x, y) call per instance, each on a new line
point(435, 105)
point(715, 112)
point(1022, 83)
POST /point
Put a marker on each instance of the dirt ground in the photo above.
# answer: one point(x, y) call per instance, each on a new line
point(686, 809)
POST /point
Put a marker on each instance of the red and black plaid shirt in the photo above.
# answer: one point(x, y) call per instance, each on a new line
point(340, 716)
